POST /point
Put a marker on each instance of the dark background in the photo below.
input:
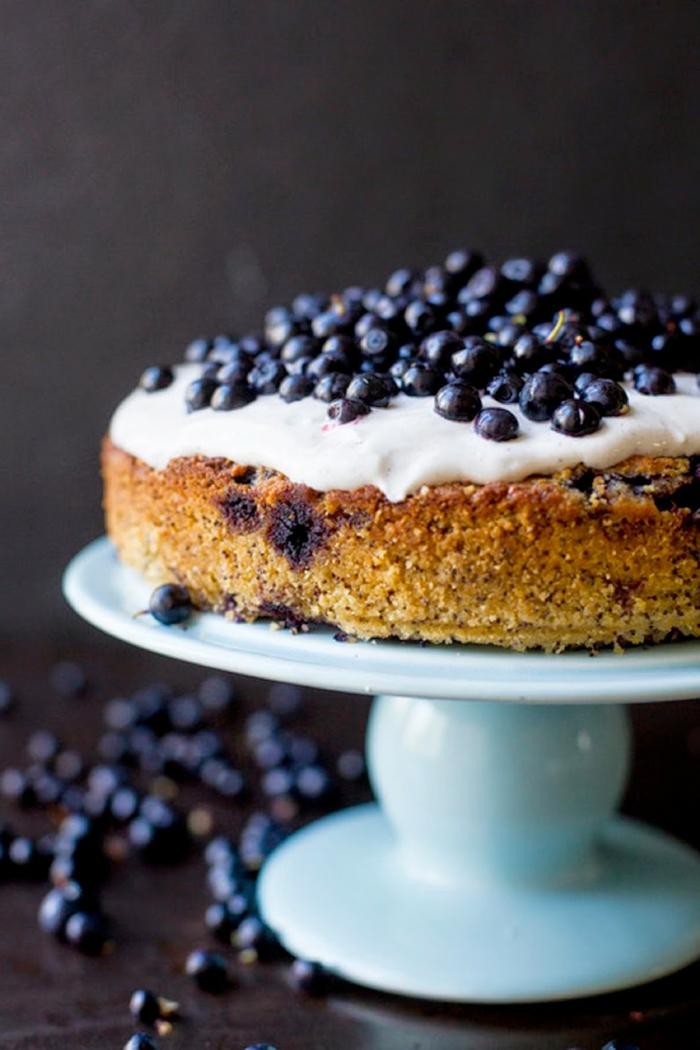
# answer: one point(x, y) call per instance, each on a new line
point(172, 169)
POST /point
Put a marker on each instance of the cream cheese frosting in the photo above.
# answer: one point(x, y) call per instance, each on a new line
point(398, 449)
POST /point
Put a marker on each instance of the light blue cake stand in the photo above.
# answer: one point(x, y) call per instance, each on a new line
point(493, 867)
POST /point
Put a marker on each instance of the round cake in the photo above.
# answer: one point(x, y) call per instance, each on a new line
point(471, 453)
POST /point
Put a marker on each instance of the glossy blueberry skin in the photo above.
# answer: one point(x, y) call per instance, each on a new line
point(496, 424)
point(608, 396)
point(144, 1006)
point(170, 604)
point(377, 341)
point(296, 388)
point(347, 409)
point(87, 931)
point(575, 418)
point(653, 381)
point(327, 363)
point(198, 394)
point(505, 387)
point(197, 350)
point(437, 349)
point(230, 396)
point(458, 401)
point(331, 387)
point(267, 375)
point(541, 394)
point(141, 1041)
point(372, 388)
point(477, 362)
point(208, 970)
point(421, 380)
point(156, 377)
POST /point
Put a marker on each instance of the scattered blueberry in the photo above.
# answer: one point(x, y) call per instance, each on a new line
point(653, 381)
point(208, 969)
point(309, 977)
point(347, 409)
point(170, 604)
point(458, 400)
point(496, 424)
point(156, 377)
point(141, 1041)
point(575, 418)
point(608, 396)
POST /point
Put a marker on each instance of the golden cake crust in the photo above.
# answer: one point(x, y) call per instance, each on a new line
point(582, 558)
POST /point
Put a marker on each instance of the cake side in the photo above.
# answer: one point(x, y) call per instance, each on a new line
point(581, 558)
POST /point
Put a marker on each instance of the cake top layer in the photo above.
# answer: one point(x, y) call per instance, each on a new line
point(398, 448)
point(460, 372)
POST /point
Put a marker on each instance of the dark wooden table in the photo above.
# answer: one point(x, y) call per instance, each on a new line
point(50, 996)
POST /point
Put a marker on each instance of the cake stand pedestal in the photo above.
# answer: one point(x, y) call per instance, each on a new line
point(493, 867)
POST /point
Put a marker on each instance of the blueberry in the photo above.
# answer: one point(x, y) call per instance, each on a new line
point(530, 352)
point(327, 323)
point(422, 380)
point(587, 356)
point(309, 977)
point(653, 381)
point(198, 394)
point(59, 904)
point(87, 931)
point(377, 341)
point(280, 325)
point(253, 934)
point(208, 970)
point(457, 400)
point(569, 265)
point(420, 317)
point(266, 376)
point(484, 284)
point(461, 264)
point(620, 1044)
point(300, 346)
point(496, 424)
point(141, 1041)
point(145, 1006)
point(400, 281)
point(328, 363)
point(170, 604)
point(296, 388)
point(43, 746)
point(505, 387)
point(575, 418)
point(331, 387)
point(477, 361)
point(521, 271)
point(197, 350)
point(308, 305)
point(347, 409)
point(608, 396)
point(438, 348)
point(156, 377)
point(372, 388)
point(525, 304)
point(541, 394)
point(230, 396)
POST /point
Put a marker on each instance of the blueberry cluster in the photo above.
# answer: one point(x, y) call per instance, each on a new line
point(541, 335)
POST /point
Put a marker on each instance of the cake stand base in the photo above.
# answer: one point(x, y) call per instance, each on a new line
point(338, 893)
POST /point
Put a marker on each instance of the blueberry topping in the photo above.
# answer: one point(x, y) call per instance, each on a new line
point(156, 377)
point(377, 341)
point(608, 396)
point(496, 424)
point(331, 387)
point(372, 388)
point(542, 393)
point(421, 380)
point(198, 394)
point(87, 931)
point(477, 361)
point(347, 409)
point(653, 381)
point(267, 375)
point(458, 400)
point(420, 317)
point(438, 348)
point(170, 604)
point(232, 395)
point(575, 418)
point(505, 387)
point(198, 350)
point(300, 346)
point(296, 388)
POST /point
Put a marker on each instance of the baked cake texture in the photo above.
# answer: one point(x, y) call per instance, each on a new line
point(414, 523)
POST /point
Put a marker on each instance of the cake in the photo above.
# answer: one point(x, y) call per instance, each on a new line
point(475, 454)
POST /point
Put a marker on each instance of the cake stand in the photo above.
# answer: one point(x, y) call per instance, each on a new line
point(493, 867)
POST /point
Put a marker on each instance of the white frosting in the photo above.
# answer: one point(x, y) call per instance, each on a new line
point(398, 449)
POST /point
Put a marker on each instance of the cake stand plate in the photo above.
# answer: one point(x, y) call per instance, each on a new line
point(493, 868)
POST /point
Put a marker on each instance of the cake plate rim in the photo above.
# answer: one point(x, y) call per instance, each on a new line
point(110, 596)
